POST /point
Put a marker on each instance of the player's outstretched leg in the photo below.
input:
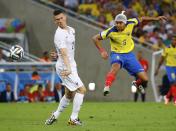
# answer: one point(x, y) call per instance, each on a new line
point(141, 82)
point(77, 102)
point(110, 77)
point(63, 104)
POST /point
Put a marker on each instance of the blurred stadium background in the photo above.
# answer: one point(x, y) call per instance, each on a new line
point(30, 24)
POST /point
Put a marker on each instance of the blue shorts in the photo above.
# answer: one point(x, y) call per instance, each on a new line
point(127, 61)
point(171, 73)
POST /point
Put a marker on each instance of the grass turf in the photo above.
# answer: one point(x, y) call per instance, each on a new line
point(97, 116)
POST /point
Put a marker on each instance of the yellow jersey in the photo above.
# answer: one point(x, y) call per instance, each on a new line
point(121, 42)
point(170, 55)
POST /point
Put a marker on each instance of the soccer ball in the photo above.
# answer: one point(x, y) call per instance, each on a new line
point(91, 86)
point(16, 52)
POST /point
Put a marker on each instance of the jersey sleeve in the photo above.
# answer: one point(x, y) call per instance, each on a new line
point(134, 21)
point(60, 40)
point(104, 34)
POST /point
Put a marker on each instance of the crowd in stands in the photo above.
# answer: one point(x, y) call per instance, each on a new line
point(7, 95)
point(41, 93)
point(11, 25)
point(156, 34)
point(31, 93)
point(36, 90)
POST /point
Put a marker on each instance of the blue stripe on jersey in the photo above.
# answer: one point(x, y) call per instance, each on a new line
point(130, 22)
point(101, 36)
point(113, 29)
point(138, 21)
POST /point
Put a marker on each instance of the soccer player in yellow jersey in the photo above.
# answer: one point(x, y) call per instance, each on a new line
point(169, 56)
point(122, 45)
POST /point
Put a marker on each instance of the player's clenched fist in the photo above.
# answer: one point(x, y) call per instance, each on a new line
point(104, 55)
point(65, 73)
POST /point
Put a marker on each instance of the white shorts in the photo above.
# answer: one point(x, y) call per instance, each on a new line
point(72, 81)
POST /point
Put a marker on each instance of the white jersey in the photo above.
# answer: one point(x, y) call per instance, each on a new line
point(65, 39)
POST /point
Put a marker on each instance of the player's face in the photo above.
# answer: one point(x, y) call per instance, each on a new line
point(60, 20)
point(174, 41)
point(120, 25)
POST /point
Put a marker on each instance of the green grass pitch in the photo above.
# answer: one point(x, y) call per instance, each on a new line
point(97, 116)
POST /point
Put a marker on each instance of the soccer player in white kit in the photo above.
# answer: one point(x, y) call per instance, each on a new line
point(66, 68)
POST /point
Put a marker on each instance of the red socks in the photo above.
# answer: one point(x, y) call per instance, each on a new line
point(109, 79)
point(139, 82)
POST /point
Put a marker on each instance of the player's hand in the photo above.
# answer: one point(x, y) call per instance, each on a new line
point(53, 55)
point(163, 18)
point(104, 55)
point(65, 73)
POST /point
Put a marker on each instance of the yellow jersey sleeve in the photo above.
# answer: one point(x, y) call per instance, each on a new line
point(104, 34)
point(134, 21)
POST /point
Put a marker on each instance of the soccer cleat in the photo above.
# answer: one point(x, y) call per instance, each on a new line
point(134, 87)
point(51, 120)
point(75, 122)
point(141, 89)
point(106, 90)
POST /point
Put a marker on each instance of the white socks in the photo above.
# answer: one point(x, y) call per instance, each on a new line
point(77, 102)
point(64, 102)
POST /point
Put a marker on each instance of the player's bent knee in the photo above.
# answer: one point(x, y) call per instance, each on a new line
point(81, 90)
point(145, 77)
point(69, 95)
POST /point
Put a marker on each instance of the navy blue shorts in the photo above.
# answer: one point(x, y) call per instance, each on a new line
point(127, 61)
